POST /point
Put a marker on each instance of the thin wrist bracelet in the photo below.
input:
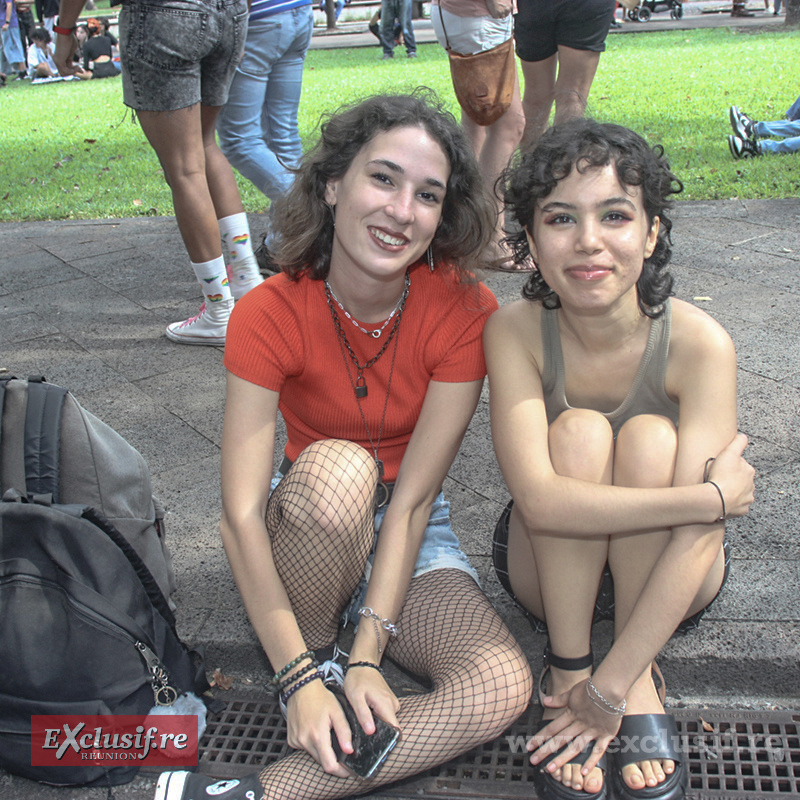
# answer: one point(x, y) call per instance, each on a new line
point(609, 708)
point(386, 624)
point(299, 685)
point(721, 497)
point(278, 676)
point(363, 664)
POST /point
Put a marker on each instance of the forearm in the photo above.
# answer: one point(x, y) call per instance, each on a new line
point(264, 596)
point(556, 505)
point(395, 558)
point(664, 603)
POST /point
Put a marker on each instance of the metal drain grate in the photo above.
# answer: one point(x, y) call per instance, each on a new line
point(732, 754)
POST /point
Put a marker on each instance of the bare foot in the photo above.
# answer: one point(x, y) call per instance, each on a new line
point(643, 699)
point(570, 774)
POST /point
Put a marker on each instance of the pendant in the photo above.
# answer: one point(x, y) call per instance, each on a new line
point(361, 387)
point(381, 495)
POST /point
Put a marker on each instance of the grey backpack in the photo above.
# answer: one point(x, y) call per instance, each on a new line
point(71, 454)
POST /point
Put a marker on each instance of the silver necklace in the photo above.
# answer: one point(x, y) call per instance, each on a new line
point(376, 333)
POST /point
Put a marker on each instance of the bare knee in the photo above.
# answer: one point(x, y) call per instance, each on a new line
point(581, 444)
point(647, 446)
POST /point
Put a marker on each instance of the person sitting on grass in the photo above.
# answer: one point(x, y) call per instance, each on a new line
point(613, 415)
point(751, 138)
point(40, 56)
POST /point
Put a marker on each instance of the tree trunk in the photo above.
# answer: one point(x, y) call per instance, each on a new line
point(330, 14)
point(792, 12)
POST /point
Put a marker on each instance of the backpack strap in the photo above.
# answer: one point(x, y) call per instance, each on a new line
point(43, 436)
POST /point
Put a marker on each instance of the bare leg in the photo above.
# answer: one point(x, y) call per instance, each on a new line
point(576, 71)
point(494, 146)
point(645, 457)
point(538, 97)
point(557, 577)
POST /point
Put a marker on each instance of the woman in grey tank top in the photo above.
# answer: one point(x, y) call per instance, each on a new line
point(614, 422)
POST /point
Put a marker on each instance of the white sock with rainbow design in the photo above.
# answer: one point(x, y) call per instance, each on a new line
point(213, 280)
point(243, 271)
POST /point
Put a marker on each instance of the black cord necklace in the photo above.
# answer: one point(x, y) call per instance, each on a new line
point(360, 383)
point(360, 390)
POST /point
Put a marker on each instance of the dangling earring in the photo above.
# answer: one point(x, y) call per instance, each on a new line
point(429, 256)
point(333, 214)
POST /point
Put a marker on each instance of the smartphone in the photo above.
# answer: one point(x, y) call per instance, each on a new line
point(369, 752)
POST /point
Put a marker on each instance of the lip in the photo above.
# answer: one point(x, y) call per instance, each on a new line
point(388, 239)
point(589, 273)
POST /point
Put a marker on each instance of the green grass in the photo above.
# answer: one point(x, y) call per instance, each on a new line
point(72, 151)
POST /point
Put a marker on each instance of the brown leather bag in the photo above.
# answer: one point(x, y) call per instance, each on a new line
point(484, 82)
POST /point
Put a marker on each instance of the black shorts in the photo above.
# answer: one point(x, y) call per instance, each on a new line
point(542, 25)
point(604, 604)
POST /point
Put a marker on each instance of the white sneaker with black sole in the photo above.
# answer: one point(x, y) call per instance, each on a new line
point(191, 786)
point(209, 326)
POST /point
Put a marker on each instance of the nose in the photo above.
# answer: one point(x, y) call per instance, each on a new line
point(401, 206)
point(588, 240)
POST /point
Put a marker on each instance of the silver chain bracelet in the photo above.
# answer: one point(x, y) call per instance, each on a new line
point(386, 624)
point(604, 705)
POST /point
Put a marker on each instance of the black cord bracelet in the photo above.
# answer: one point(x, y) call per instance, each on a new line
point(362, 664)
point(299, 685)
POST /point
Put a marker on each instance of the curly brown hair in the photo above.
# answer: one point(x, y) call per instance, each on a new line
point(303, 222)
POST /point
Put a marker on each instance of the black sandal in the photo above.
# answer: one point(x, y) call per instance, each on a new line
point(642, 737)
point(548, 787)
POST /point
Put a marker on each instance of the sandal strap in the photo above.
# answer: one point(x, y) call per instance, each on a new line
point(647, 736)
point(570, 664)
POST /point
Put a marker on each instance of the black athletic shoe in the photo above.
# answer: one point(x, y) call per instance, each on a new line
point(742, 125)
point(743, 148)
point(191, 786)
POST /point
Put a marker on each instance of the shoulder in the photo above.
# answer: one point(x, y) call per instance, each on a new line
point(696, 333)
point(443, 289)
point(521, 319)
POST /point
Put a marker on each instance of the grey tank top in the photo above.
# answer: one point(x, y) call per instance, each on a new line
point(647, 395)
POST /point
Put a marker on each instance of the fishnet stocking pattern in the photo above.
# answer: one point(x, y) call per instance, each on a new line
point(320, 520)
point(481, 682)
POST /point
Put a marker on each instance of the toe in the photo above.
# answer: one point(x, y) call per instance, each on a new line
point(632, 775)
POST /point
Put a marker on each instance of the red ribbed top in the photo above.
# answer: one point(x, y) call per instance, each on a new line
point(281, 336)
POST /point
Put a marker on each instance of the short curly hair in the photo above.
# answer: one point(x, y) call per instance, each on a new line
point(303, 222)
point(585, 144)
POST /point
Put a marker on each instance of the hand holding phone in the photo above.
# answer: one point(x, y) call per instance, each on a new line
point(369, 752)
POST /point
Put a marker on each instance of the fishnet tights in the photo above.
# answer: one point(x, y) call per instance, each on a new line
point(321, 521)
point(321, 524)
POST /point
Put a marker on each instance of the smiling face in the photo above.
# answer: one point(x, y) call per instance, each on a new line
point(388, 204)
point(590, 237)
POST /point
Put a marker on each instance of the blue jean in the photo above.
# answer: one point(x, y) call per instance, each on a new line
point(402, 10)
point(258, 126)
point(789, 131)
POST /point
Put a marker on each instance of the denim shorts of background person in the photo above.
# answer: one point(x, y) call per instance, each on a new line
point(440, 549)
point(468, 35)
point(179, 52)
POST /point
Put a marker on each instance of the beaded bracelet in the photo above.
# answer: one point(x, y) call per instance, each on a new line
point(278, 676)
point(290, 679)
point(386, 624)
point(609, 708)
point(299, 685)
point(363, 664)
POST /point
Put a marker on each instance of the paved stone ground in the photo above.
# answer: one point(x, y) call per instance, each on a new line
point(86, 303)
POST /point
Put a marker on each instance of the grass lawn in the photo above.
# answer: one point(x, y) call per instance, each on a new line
point(71, 150)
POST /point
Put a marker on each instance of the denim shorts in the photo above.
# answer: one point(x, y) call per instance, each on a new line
point(180, 52)
point(440, 549)
point(541, 26)
point(468, 35)
point(604, 604)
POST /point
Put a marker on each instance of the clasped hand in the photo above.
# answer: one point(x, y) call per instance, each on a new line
point(579, 723)
point(314, 714)
point(735, 477)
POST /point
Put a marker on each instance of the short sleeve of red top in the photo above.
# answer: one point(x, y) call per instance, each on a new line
point(281, 336)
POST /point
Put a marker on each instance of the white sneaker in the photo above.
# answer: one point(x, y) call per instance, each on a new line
point(208, 326)
point(191, 786)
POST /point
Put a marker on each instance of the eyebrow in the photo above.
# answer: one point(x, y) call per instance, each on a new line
point(397, 168)
point(611, 201)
